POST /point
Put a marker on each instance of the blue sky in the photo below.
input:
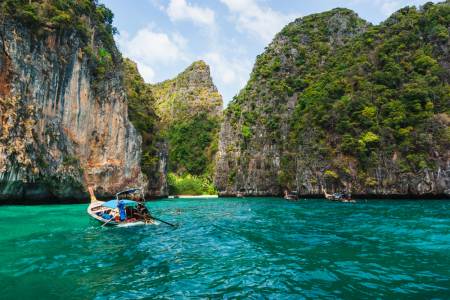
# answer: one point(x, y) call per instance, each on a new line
point(165, 36)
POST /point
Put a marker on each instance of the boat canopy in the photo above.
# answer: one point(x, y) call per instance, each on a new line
point(113, 203)
point(128, 192)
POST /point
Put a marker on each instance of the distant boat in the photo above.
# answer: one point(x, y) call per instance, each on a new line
point(291, 196)
point(343, 196)
point(105, 212)
point(239, 195)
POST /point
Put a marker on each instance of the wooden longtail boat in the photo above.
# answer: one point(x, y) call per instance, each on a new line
point(105, 212)
point(343, 196)
point(291, 196)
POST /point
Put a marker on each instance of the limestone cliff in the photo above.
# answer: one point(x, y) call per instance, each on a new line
point(190, 108)
point(63, 110)
point(335, 102)
point(191, 92)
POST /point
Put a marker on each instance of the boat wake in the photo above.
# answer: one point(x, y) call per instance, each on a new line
point(131, 224)
point(138, 224)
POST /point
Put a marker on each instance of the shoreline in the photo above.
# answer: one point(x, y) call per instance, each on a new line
point(191, 197)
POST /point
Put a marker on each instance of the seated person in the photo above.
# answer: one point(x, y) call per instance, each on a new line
point(131, 212)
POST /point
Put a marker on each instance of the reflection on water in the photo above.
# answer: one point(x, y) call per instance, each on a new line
point(231, 248)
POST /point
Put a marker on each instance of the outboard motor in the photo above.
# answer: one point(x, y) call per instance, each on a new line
point(142, 209)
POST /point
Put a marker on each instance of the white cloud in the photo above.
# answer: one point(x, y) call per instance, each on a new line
point(179, 40)
point(234, 72)
point(262, 22)
point(180, 10)
point(151, 49)
point(146, 71)
point(389, 7)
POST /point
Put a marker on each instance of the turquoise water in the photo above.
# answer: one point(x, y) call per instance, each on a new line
point(231, 248)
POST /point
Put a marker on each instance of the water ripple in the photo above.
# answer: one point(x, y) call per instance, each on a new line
point(240, 249)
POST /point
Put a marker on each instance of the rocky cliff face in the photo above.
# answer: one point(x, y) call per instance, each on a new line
point(256, 128)
point(337, 103)
point(58, 134)
point(190, 108)
point(190, 93)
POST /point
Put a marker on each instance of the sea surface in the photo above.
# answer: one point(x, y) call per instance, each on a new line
point(254, 248)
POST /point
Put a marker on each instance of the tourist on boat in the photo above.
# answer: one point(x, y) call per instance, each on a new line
point(121, 206)
point(131, 212)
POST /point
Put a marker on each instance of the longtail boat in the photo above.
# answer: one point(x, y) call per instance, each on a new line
point(343, 196)
point(107, 213)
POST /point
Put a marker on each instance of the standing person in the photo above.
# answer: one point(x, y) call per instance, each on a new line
point(121, 207)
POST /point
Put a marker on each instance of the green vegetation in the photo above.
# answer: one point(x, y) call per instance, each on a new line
point(363, 91)
point(246, 132)
point(41, 162)
point(381, 90)
point(331, 174)
point(191, 112)
point(70, 160)
point(38, 14)
point(193, 144)
point(190, 185)
point(90, 19)
point(192, 132)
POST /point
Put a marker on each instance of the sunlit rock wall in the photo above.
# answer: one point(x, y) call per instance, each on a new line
point(57, 136)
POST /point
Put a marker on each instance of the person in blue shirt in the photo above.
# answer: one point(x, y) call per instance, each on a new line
point(121, 207)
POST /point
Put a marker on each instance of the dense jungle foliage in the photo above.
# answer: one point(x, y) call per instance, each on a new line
point(141, 111)
point(78, 14)
point(191, 132)
point(382, 91)
point(190, 107)
point(363, 91)
point(193, 143)
point(190, 185)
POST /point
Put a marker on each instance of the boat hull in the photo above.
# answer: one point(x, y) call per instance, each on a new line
point(342, 200)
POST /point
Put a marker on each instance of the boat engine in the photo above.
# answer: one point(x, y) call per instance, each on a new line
point(142, 209)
